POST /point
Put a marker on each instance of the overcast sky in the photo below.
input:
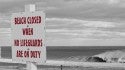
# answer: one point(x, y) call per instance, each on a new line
point(75, 22)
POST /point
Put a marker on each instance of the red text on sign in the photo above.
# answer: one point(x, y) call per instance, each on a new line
point(28, 54)
point(28, 20)
point(28, 42)
point(19, 53)
point(20, 20)
point(27, 31)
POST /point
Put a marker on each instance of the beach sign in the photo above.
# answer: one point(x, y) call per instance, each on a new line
point(28, 37)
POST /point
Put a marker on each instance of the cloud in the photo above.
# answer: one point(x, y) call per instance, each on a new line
point(77, 28)
point(64, 28)
point(4, 21)
point(85, 34)
point(106, 10)
point(85, 42)
point(99, 1)
point(100, 10)
point(71, 21)
point(78, 22)
point(8, 0)
point(55, 41)
point(100, 24)
point(10, 6)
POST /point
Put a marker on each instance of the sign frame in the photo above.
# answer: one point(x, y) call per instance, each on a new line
point(37, 32)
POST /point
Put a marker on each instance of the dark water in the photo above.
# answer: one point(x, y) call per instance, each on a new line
point(64, 52)
point(60, 52)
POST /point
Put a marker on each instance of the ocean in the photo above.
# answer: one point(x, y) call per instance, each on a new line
point(75, 51)
point(63, 52)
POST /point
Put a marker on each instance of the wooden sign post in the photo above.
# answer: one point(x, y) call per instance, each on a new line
point(30, 65)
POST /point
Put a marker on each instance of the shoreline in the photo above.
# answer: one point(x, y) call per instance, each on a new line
point(71, 63)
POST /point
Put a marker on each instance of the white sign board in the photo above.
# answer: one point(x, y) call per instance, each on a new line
point(28, 37)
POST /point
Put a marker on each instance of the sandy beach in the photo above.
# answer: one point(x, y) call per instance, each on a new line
point(8, 63)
